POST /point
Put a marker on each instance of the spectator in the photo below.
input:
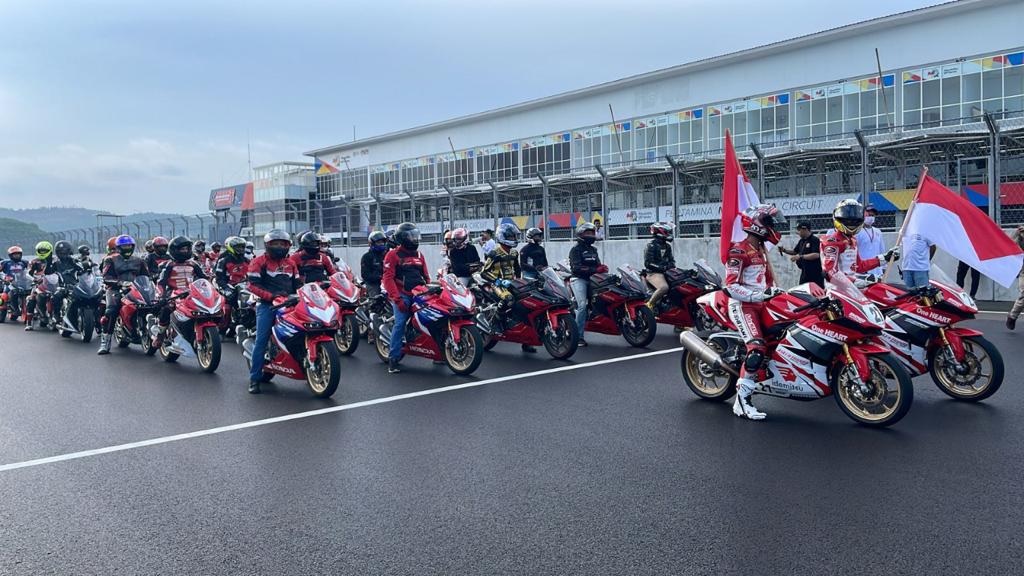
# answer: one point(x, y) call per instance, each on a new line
point(1018, 306)
point(487, 242)
point(961, 277)
point(870, 243)
point(599, 229)
point(917, 254)
point(806, 254)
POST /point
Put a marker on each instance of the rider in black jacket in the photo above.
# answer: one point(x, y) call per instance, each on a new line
point(463, 257)
point(584, 262)
point(371, 266)
point(657, 260)
point(532, 258)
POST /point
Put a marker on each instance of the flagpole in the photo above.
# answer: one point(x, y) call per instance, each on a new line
point(910, 210)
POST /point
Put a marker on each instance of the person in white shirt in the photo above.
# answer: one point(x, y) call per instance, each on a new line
point(869, 240)
point(487, 242)
point(917, 256)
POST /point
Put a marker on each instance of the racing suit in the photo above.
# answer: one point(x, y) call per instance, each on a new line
point(502, 264)
point(12, 268)
point(69, 271)
point(174, 279)
point(839, 254)
point(405, 271)
point(117, 269)
point(584, 262)
point(269, 278)
point(533, 259)
point(747, 277)
point(657, 260)
point(315, 268)
point(229, 271)
point(37, 269)
point(154, 261)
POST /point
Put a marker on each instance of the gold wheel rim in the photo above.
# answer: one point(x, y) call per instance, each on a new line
point(318, 373)
point(948, 381)
point(882, 404)
point(468, 348)
point(698, 379)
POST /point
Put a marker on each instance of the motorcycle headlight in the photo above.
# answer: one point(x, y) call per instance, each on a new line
point(312, 325)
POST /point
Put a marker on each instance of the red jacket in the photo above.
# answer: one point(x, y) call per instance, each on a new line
point(270, 278)
point(403, 271)
point(315, 268)
point(839, 254)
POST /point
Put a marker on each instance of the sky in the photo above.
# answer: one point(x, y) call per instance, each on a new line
point(130, 106)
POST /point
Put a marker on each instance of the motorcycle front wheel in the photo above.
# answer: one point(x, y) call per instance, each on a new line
point(643, 330)
point(563, 339)
point(87, 323)
point(980, 375)
point(3, 315)
point(121, 334)
point(324, 374)
point(464, 358)
point(887, 399)
point(208, 351)
point(347, 338)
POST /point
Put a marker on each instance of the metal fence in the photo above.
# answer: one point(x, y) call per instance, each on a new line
point(802, 176)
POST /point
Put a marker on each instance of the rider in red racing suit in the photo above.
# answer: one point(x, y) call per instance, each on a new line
point(839, 247)
point(749, 282)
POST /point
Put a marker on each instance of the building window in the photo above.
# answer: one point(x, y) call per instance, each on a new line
point(762, 120)
point(384, 180)
point(606, 144)
point(836, 111)
point(418, 175)
point(455, 170)
point(686, 132)
point(546, 155)
point(498, 163)
point(962, 91)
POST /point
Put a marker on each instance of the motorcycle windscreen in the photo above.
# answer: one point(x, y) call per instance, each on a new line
point(454, 286)
point(146, 287)
point(344, 268)
point(629, 279)
point(22, 281)
point(342, 280)
point(553, 285)
point(966, 303)
point(89, 283)
point(841, 284)
point(315, 295)
point(51, 281)
point(203, 289)
point(706, 273)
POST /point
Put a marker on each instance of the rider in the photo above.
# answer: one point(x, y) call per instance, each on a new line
point(215, 252)
point(199, 253)
point(232, 265)
point(84, 257)
point(748, 283)
point(122, 266)
point(390, 235)
point(272, 275)
point(148, 246)
point(839, 246)
point(502, 266)
point(313, 264)
point(13, 266)
point(371, 266)
point(250, 249)
point(658, 259)
point(532, 258)
point(405, 275)
point(462, 256)
point(68, 267)
point(584, 262)
point(325, 246)
point(41, 265)
point(175, 277)
point(157, 256)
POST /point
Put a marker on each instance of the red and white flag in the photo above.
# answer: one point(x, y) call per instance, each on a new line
point(737, 196)
point(965, 232)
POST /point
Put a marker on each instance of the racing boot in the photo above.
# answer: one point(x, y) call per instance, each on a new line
point(104, 344)
point(742, 406)
point(158, 340)
point(529, 349)
point(28, 323)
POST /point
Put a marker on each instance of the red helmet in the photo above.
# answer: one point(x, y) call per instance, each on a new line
point(662, 230)
point(111, 244)
point(763, 221)
point(14, 250)
point(459, 237)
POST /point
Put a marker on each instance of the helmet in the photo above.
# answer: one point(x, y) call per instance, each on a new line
point(125, 245)
point(390, 235)
point(43, 250)
point(763, 221)
point(535, 235)
point(325, 242)
point(508, 235)
point(159, 245)
point(199, 245)
point(586, 233)
point(180, 249)
point(148, 246)
point(277, 242)
point(408, 235)
point(250, 248)
point(848, 217)
point(310, 242)
point(216, 246)
point(662, 230)
point(378, 241)
point(62, 249)
point(235, 245)
point(459, 237)
point(112, 245)
point(83, 250)
point(448, 238)
point(14, 250)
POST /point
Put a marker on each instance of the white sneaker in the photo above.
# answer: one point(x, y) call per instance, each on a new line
point(742, 406)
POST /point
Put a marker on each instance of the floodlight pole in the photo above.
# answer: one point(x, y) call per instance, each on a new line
point(545, 193)
point(865, 180)
point(451, 206)
point(494, 203)
point(604, 205)
point(994, 202)
point(676, 171)
point(760, 169)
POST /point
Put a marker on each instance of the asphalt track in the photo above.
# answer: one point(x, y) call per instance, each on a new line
point(606, 468)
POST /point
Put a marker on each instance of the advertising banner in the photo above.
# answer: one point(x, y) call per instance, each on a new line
point(230, 197)
point(796, 206)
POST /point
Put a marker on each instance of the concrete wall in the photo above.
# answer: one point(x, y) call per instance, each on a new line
point(688, 250)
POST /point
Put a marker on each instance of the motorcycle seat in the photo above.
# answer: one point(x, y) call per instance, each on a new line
point(773, 332)
point(898, 286)
point(603, 280)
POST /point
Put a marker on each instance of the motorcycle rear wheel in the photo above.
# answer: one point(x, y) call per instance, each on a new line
point(643, 330)
point(208, 352)
point(886, 406)
point(323, 376)
point(121, 334)
point(347, 338)
point(563, 340)
point(978, 352)
point(465, 361)
point(707, 384)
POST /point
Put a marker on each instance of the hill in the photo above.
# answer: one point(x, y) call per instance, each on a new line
point(21, 233)
point(57, 218)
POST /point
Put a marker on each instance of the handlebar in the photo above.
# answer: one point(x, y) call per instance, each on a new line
point(821, 303)
point(289, 302)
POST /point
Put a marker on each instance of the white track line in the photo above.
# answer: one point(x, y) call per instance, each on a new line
point(311, 413)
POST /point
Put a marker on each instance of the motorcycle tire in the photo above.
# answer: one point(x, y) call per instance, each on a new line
point(695, 371)
point(470, 360)
point(87, 318)
point(491, 342)
point(857, 413)
point(643, 336)
point(946, 382)
point(209, 361)
point(566, 346)
point(346, 339)
point(383, 349)
point(121, 335)
point(323, 378)
point(3, 316)
point(166, 354)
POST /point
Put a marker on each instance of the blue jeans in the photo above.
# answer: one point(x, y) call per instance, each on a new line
point(580, 289)
point(915, 278)
point(264, 324)
point(401, 319)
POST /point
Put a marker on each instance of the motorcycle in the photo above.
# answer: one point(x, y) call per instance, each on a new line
point(679, 306)
point(87, 293)
point(618, 305)
point(14, 297)
point(820, 343)
point(232, 308)
point(921, 330)
point(345, 293)
point(442, 327)
point(194, 327)
point(539, 314)
point(139, 299)
point(301, 342)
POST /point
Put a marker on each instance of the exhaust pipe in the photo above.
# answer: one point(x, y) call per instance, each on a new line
point(705, 353)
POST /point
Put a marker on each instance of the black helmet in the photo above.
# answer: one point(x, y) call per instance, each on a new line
point(83, 250)
point(378, 241)
point(148, 246)
point(180, 249)
point(310, 242)
point(535, 235)
point(277, 242)
point(586, 233)
point(408, 235)
point(200, 245)
point(62, 249)
point(216, 246)
point(390, 235)
point(508, 235)
point(848, 217)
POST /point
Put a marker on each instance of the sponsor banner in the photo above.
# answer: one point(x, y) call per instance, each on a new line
point(228, 197)
point(798, 206)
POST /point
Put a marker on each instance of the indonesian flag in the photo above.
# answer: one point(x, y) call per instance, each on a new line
point(965, 232)
point(737, 196)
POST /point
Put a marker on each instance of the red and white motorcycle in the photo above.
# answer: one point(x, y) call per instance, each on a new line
point(820, 343)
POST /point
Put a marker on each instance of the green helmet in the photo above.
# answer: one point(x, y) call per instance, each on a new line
point(43, 250)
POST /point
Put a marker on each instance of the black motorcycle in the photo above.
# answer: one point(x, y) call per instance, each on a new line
point(87, 293)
